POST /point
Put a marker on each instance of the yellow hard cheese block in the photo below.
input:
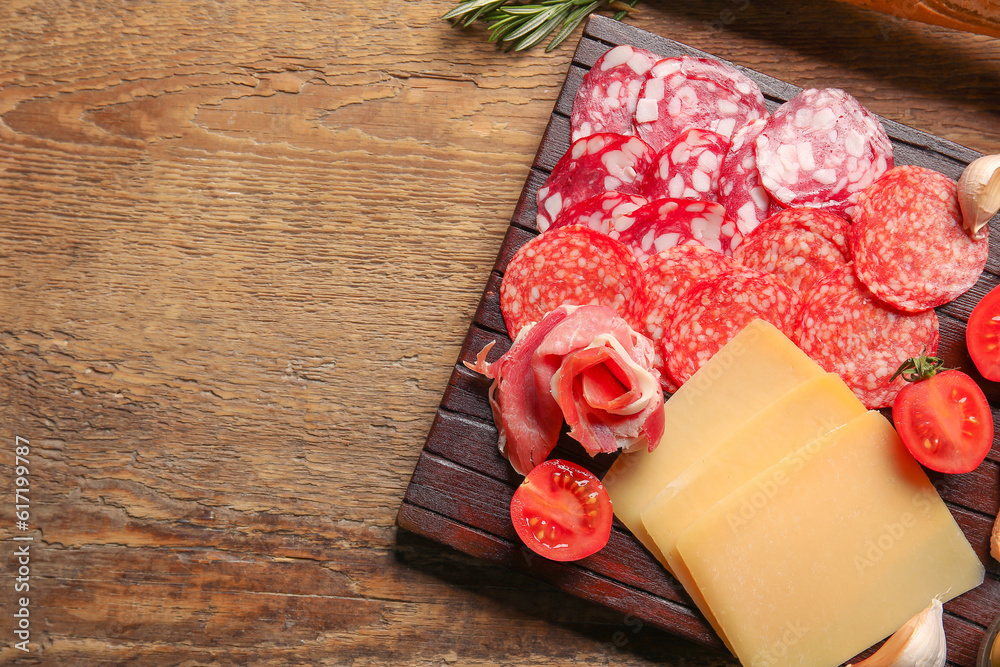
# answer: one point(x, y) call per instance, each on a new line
point(758, 366)
point(827, 552)
point(810, 411)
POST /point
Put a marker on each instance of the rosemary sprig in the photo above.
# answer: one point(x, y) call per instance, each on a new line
point(518, 27)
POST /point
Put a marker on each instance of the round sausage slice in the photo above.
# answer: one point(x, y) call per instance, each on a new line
point(712, 311)
point(848, 331)
point(821, 149)
point(593, 165)
point(576, 266)
point(909, 245)
point(606, 98)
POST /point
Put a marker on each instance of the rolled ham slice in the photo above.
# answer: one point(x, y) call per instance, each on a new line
point(581, 364)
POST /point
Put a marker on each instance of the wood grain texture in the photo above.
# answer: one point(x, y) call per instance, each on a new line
point(241, 244)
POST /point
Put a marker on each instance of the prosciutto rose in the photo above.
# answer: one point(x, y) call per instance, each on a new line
point(581, 364)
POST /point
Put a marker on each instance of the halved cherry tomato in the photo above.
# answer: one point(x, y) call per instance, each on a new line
point(943, 417)
point(562, 511)
point(982, 335)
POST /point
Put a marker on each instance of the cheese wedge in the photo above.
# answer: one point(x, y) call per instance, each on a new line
point(810, 411)
point(827, 552)
point(757, 367)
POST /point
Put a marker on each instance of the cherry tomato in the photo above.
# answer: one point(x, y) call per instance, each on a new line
point(943, 417)
point(562, 511)
point(982, 335)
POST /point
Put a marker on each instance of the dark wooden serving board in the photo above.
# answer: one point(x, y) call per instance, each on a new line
point(461, 489)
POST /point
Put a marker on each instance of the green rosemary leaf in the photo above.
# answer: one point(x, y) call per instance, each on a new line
point(516, 27)
point(523, 10)
point(498, 37)
point(618, 16)
point(458, 10)
point(492, 6)
point(500, 29)
point(543, 30)
point(469, 5)
point(539, 19)
point(572, 21)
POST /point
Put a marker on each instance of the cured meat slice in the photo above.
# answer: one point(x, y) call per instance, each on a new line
point(680, 93)
point(712, 311)
point(666, 223)
point(669, 274)
point(592, 165)
point(688, 168)
point(606, 98)
point(848, 331)
point(600, 372)
point(740, 189)
point(798, 245)
point(604, 213)
point(528, 420)
point(571, 265)
point(581, 363)
point(710, 69)
point(909, 245)
point(821, 149)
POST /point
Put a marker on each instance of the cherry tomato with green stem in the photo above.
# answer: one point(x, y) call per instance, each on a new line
point(942, 416)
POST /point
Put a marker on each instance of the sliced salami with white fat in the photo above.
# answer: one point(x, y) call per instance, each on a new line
point(681, 93)
point(575, 266)
point(666, 223)
point(606, 213)
point(740, 189)
point(821, 149)
point(688, 168)
point(712, 311)
point(909, 245)
point(606, 98)
point(848, 331)
point(593, 165)
point(799, 245)
point(669, 275)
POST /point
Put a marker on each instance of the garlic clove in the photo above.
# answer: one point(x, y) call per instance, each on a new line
point(979, 193)
point(919, 643)
point(995, 539)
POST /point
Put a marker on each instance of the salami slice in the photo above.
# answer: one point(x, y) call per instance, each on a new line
point(592, 165)
point(821, 149)
point(740, 189)
point(685, 92)
point(669, 274)
point(604, 213)
point(798, 245)
point(575, 266)
point(666, 223)
point(909, 245)
point(712, 311)
point(847, 331)
point(688, 168)
point(606, 98)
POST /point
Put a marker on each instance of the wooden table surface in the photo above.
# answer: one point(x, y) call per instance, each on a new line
point(241, 244)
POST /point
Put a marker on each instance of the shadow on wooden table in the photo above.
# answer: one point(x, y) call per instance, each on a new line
point(911, 55)
point(616, 637)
